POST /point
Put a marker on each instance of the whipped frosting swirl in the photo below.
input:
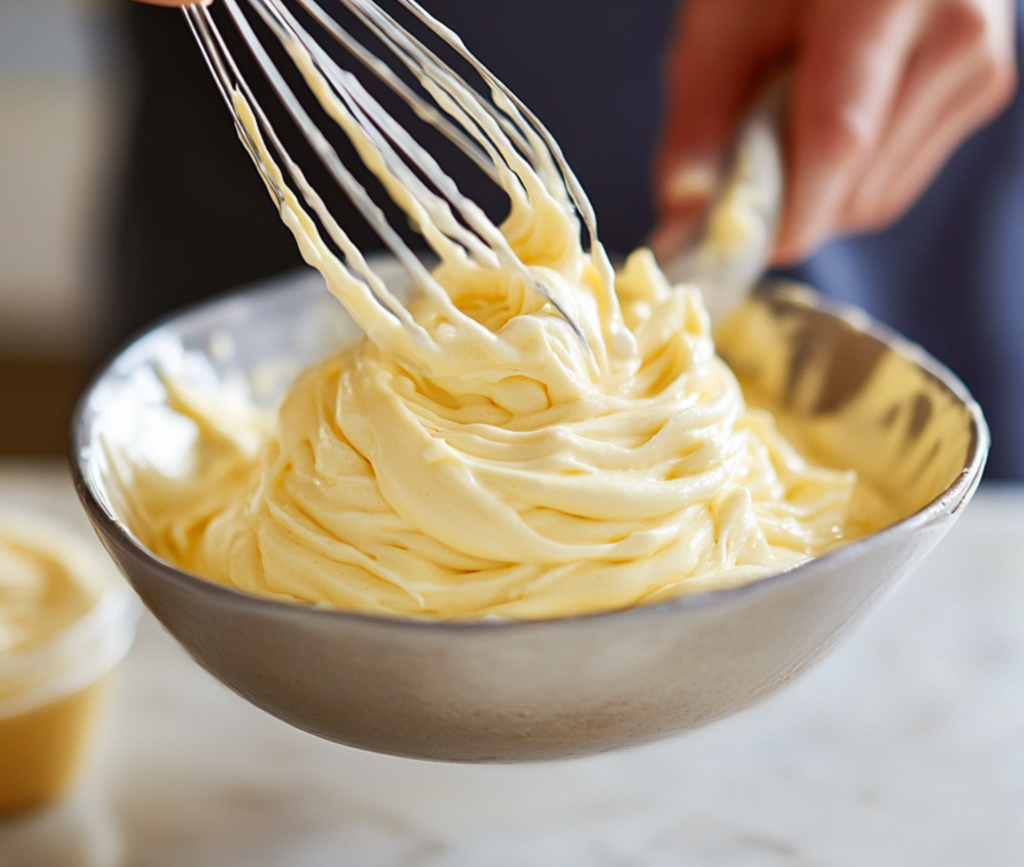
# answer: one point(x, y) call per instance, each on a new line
point(473, 456)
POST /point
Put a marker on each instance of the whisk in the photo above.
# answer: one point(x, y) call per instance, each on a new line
point(497, 134)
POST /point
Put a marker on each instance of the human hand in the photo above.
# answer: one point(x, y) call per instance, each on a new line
point(882, 93)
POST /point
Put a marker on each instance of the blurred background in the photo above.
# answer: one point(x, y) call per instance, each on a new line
point(62, 104)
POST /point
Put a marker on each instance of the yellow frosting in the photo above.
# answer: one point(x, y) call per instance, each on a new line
point(41, 589)
point(43, 749)
point(473, 456)
point(49, 582)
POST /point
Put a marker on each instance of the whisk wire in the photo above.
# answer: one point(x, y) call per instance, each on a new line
point(205, 32)
point(520, 112)
point(424, 110)
point(501, 137)
point(383, 130)
point(427, 209)
point(219, 58)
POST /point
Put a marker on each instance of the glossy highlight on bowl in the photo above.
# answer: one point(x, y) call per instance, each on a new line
point(852, 393)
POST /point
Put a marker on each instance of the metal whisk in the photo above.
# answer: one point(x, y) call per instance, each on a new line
point(497, 134)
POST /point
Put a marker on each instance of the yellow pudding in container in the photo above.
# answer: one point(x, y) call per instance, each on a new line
point(66, 621)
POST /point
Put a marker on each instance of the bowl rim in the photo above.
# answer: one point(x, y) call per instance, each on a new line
point(952, 499)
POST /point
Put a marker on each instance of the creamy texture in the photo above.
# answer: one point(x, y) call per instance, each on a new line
point(43, 749)
point(48, 584)
point(474, 456)
point(41, 590)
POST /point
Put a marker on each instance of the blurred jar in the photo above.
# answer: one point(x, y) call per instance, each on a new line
point(66, 621)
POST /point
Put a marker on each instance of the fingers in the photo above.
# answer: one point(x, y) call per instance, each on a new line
point(723, 50)
point(849, 62)
point(882, 92)
point(960, 76)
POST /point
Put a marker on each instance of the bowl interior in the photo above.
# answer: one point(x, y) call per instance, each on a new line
point(853, 394)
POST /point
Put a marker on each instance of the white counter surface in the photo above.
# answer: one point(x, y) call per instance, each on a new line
point(904, 748)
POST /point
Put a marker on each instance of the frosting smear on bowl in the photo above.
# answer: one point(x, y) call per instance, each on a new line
point(476, 454)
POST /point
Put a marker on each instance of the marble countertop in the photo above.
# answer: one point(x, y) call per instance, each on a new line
point(904, 748)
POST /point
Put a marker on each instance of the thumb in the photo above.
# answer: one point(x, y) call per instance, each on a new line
point(721, 52)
